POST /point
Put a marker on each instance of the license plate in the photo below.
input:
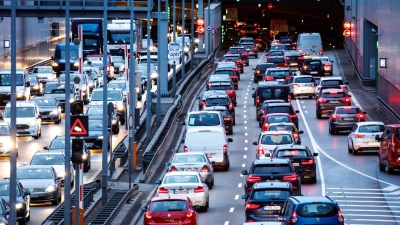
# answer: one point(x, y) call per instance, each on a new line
point(295, 164)
point(293, 64)
point(34, 196)
point(209, 155)
point(181, 191)
point(280, 79)
point(190, 169)
point(313, 72)
point(44, 117)
point(373, 143)
point(247, 49)
point(334, 101)
point(287, 43)
point(347, 118)
point(272, 207)
point(20, 130)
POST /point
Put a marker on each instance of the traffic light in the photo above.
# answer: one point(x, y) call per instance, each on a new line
point(346, 29)
point(55, 29)
point(77, 151)
point(200, 25)
point(77, 107)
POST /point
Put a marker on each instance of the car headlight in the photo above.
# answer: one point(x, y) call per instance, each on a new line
point(120, 108)
point(71, 100)
point(2, 223)
point(100, 137)
point(84, 156)
point(122, 67)
point(7, 145)
point(36, 87)
point(61, 174)
point(91, 84)
point(76, 64)
point(55, 64)
point(154, 75)
point(50, 188)
point(19, 94)
point(114, 121)
point(18, 206)
point(196, 40)
point(54, 112)
point(83, 88)
point(186, 49)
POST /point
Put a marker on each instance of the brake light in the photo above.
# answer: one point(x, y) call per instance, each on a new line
point(300, 58)
point(230, 106)
point(295, 85)
point(147, 215)
point(173, 169)
point(343, 87)
point(287, 58)
point(254, 48)
point(260, 150)
point(204, 169)
point(360, 116)
point(346, 100)
point(227, 119)
point(239, 61)
point(294, 116)
point(108, 68)
point(335, 117)
point(359, 135)
point(252, 206)
point(162, 190)
point(290, 178)
point(185, 148)
point(258, 99)
point(293, 219)
point(308, 162)
point(288, 77)
point(258, 72)
point(340, 217)
point(295, 135)
point(255, 31)
point(304, 67)
point(319, 89)
point(225, 149)
point(244, 53)
point(328, 64)
point(190, 214)
point(253, 179)
point(293, 43)
point(321, 100)
point(209, 84)
point(265, 127)
point(269, 78)
point(198, 189)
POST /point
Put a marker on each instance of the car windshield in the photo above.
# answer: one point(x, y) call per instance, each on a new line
point(271, 169)
point(303, 80)
point(22, 112)
point(220, 78)
point(5, 190)
point(206, 94)
point(48, 160)
point(197, 138)
point(44, 101)
point(217, 101)
point(220, 87)
point(371, 128)
point(56, 88)
point(168, 205)
point(208, 119)
point(270, 194)
point(313, 62)
point(41, 70)
point(317, 210)
point(187, 158)
point(279, 73)
point(94, 111)
point(276, 139)
point(32, 79)
point(292, 153)
point(4, 130)
point(231, 58)
point(173, 179)
point(111, 96)
point(95, 126)
point(226, 65)
point(224, 72)
point(247, 45)
point(346, 110)
point(279, 109)
point(34, 173)
point(57, 144)
point(278, 47)
point(117, 85)
point(278, 119)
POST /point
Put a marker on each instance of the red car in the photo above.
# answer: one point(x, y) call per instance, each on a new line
point(170, 209)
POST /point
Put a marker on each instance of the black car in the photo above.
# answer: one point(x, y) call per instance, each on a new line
point(294, 59)
point(312, 67)
point(302, 159)
point(251, 48)
point(49, 109)
point(288, 41)
point(23, 200)
point(222, 100)
point(264, 105)
point(227, 117)
point(58, 144)
point(227, 87)
point(270, 90)
point(328, 99)
point(265, 200)
point(95, 112)
point(282, 75)
point(204, 96)
point(95, 138)
point(260, 69)
point(271, 170)
point(343, 118)
point(36, 86)
point(281, 108)
point(241, 51)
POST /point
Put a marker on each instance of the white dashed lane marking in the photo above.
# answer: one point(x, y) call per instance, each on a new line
point(245, 141)
point(226, 223)
point(236, 197)
point(243, 165)
point(245, 128)
point(231, 209)
point(245, 134)
point(239, 185)
point(245, 121)
point(245, 157)
point(245, 148)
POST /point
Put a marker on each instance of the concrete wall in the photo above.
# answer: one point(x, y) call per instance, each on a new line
point(34, 41)
point(384, 16)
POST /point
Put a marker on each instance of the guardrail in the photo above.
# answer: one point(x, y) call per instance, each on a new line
point(41, 63)
point(57, 216)
point(114, 204)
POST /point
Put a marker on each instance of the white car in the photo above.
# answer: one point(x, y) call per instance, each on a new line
point(268, 140)
point(302, 85)
point(115, 96)
point(189, 184)
point(362, 136)
point(332, 82)
point(45, 73)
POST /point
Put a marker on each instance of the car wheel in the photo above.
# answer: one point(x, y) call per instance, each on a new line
point(380, 165)
point(310, 97)
point(58, 121)
point(212, 182)
point(122, 119)
point(226, 168)
point(231, 131)
point(22, 221)
point(389, 170)
point(318, 115)
point(355, 152)
point(234, 121)
point(37, 135)
point(209, 186)
point(313, 180)
point(56, 202)
point(86, 167)
point(257, 56)
point(255, 81)
point(332, 132)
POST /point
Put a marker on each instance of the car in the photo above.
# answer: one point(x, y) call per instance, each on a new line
point(311, 210)
point(260, 111)
point(388, 158)
point(282, 75)
point(230, 65)
point(277, 47)
point(288, 41)
point(294, 59)
point(5, 140)
point(362, 136)
point(275, 53)
point(328, 67)
point(227, 87)
point(313, 67)
point(241, 51)
point(49, 109)
point(248, 31)
point(91, 78)
point(95, 138)
point(203, 119)
point(94, 74)
point(268, 140)
point(119, 63)
point(222, 100)
point(332, 82)
point(267, 119)
point(245, 40)
point(343, 118)
point(231, 72)
point(45, 73)
point(281, 108)
point(95, 112)
point(115, 96)
point(240, 22)
point(171, 209)
point(81, 87)
point(265, 200)
point(36, 85)
point(288, 126)
point(58, 144)
point(280, 170)
point(109, 64)
point(234, 58)
point(56, 160)
point(302, 85)
point(57, 90)
point(302, 159)
point(4, 211)
point(185, 183)
point(142, 70)
point(193, 161)
point(260, 69)
point(23, 200)
point(226, 116)
point(251, 48)
point(203, 97)
point(98, 66)
point(42, 182)
point(270, 90)
point(279, 61)
point(328, 99)
point(217, 78)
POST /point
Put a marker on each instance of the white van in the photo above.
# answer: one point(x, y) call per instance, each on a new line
point(22, 88)
point(210, 140)
point(203, 118)
point(310, 44)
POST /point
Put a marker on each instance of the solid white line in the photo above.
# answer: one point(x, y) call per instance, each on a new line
point(346, 200)
point(231, 209)
point(366, 206)
point(356, 189)
point(374, 220)
point(94, 176)
point(239, 185)
point(368, 210)
point(236, 197)
point(226, 223)
point(243, 165)
point(370, 215)
point(366, 193)
point(315, 147)
point(348, 197)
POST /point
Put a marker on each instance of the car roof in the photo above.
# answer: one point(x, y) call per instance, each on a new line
point(270, 83)
point(203, 112)
point(310, 199)
point(218, 96)
point(280, 147)
point(276, 132)
point(269, 161)
point(370, 123)
point(232, 55)
point(278, 114)
point(189, 153)
point(117, 81)
point(265, 184)
point(278, 69)
point(35, 167)
point(49, 153)
point(108, 89)
point(300, 76)
point(292, 53)
point(282, 123)
point(236, 47)
point(332, 78)
point(22, 103)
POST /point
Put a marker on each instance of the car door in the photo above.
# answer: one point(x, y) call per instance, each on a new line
point(385, 144)
point(27, 198)
point(351, 135)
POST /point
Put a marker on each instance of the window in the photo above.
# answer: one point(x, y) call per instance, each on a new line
point(57, 88)
point(292, 153)
point(189, 159)
point(4, 130)
point(333, 95)
point(180, 179)
point(117, 85)
point(280, 109)
point(44, 101)
point(317, 210)
point(303, 80)
point(270, 194)
point(347, 110)
point(5, 80)
point(331, 82)
point(22, 112)
point(168, 206)
point(95, 126)
point(220, 87)
point(48, 160)
point(95, 111)
point(213, 138)
point(276, 139)
point(119, 36)
point(387, 133)
point(217, 101)
point(34, 173)
point(42, 70)
point(208, 119)
point(272, 169)
point(278, 119)
point(5, 189)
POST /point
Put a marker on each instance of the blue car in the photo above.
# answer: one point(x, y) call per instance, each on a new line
point(311, 210)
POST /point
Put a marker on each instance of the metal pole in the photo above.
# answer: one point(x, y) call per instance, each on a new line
point(183, 41)
point(148, 83)
point(132, 93)
point(158, 107)
point(104, 173)
point(174, 21)
point(67, 110)
point(192, 37)
point(173, 80)
point(77, 185)
point(13, 155)
point(208, 24)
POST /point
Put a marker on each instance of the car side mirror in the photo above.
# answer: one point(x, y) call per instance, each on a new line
point(297, 111)
point(27, 84)
point(301, 132)
point(244, 172)
point(315, 154)
point(378, 138)
point(168, 164)
point(144, 209)
point(332, 61)
point(158, 182)
point(46, 147)
point(212, 162)
point(182, 122)
point(347, 83)
point(229, 139)
point(245, 197)
point(267, 155)
point(255, 143)
point(198, 98)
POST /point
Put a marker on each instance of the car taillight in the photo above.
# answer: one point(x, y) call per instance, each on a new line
point(265, 127)
point(258, 99)
point(328, 64)
point(290, 178)
point(209, 84)
point(258, 72)
point(300, 58)
point(147, 215)
point(321, 52)
point(252, 206)
point(225, 149)
point(319, 89)
point(359, 135)
point(162, 190)
point(269, 78)
point(185, 148)
point(253, 179)
point(255, 31)
point(260, 150)
point(239, 61)
point(360, 116)
point(173, 169)
point(295, 135)
point(347, 100)
point(321, 100)
point(108, 68)
point(198, 189)
point(305, 67)
point(287, 58)
point(335, 117)
point(308, 162)
point(230, 106)
point(254, 48)
point(340, 217)
point(227, 119)
point(294, 116)
point(293, 219)
point(204, 169)
point(295, 85)
point(288, 77)
point(293, 43)
point(244, 54)
point(343, 87)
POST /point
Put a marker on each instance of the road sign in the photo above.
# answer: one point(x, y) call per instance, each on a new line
point(80, 126)
point(209, 29)
point(200, 30)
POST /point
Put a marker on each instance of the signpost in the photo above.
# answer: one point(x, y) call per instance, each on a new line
point(209, 29)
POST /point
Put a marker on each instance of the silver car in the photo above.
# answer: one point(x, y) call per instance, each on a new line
point(362, 136)
point(302, 85)
point(45, 73)
point(193, 161)
point(268, 140)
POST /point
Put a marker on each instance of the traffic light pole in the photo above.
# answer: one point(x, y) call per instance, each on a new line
point(104, 172)
point(183, 40)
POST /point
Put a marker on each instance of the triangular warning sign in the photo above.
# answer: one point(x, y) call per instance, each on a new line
point(77, 128)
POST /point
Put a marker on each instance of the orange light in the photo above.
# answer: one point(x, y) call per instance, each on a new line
point(347, 25)
point(200, 21)
point(200, 30)
point(346, 33)
point(359, 135)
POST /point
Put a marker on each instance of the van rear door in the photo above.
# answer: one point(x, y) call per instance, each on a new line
point(213, 147)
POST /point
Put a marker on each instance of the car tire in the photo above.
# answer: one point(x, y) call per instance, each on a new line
point(332, 132)
point(255, 80)
point(205, 208)
point(234, 121)
point(389, 170)
point(209, 186)
point(318, 115)
point(86, 167)
point(380, 165)
point(22, 221)
point(257, 56)
point(212, 182)
point(355, 152)
point(56, 202)
point(231, 131)
point(310, 97)
point(37, 135)
point(58, 121)
point(122, 120)
point(313, 180)
point(291, 95)
point(349, 149)
point(72, 183)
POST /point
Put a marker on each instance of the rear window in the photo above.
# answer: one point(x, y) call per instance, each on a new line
point(279, 73)
point(333, 95)
point(247, 45)
point(276, 60)
point(278, 119)
point(231, 57)
point(267, 93)
point(317, 210)
point(373, 129)
point(220, 78)
point(216, 101)
point(224, 72)
point(275, 53)
point(280, 109)
point(272, 169)
point(281, 128)
point(168, 205)
point(233, 50)
point(276, 139)
point(198, 138)
point(292, 153)
point(207, 119)
point(347, 111)
point(313, 62)
point(331, 82)
point(264, 67)
point(220, 87)
point(286, 40)
point(271, 194)
point(187, 158)
point(278, 47)
point(303, 80)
